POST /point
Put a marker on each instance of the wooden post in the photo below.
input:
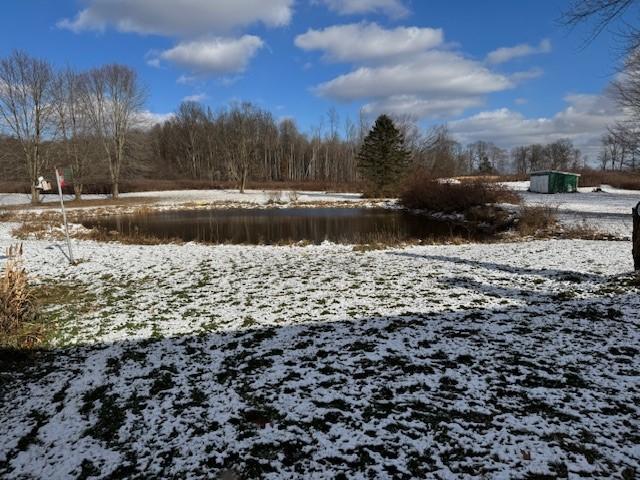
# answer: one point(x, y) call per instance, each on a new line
point(64, 217)
point(636, 237)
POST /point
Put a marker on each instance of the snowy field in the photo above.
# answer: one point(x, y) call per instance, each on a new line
point(517, 360)
point(258, 197)
point(608, 211)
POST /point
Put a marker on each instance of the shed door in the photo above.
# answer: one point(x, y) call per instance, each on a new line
point(539, 183)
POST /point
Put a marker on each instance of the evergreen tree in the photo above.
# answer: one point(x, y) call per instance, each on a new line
point(383, 157)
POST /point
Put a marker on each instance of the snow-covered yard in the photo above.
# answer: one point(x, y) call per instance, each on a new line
point(517, 360)
point(608, 210)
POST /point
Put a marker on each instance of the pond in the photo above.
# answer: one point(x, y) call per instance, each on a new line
point(274, 226)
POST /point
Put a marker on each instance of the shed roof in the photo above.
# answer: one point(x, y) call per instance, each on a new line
point(547, 172)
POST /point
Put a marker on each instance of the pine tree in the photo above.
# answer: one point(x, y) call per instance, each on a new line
point(383, 157)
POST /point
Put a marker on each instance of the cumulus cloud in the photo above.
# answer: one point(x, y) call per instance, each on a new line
point(196, 97)
point(584, 120)
point(505, 54)
point(436, 74)
point(188, 18)
point(419, 107)
point(392, 8)
point(147, 119)
point(202, 24)
point(368, 41)
point(407, 70)
point(214, 56)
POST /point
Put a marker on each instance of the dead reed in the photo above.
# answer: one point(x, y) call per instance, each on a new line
point(19, 326)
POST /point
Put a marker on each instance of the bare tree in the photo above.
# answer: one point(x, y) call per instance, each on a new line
point(602, 14)
point(113, 99)
point(25, 108)
point(72, 124)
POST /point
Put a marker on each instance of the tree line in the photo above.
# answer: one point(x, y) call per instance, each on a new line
point(93, 122)
point(74, 111)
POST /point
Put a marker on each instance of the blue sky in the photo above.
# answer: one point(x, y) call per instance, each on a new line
point(298, 58)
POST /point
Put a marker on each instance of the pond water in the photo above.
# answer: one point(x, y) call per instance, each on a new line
point(283, 225)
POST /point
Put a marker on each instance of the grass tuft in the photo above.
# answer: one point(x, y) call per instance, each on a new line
point(19, 328)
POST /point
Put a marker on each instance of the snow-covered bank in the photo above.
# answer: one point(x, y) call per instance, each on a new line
point(608, 211)
point(258, 197)
point(498, 360)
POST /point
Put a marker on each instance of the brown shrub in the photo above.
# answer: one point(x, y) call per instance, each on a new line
point(18, 327)
point(537, 219)
point(516, 177)
point(426, 193)
point(623, 180)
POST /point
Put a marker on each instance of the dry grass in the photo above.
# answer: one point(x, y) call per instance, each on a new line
point(37, 229)
point(44, 227)
point(623, 180)
point(94, 203)
point(585, 231)
point(426, 193)
point(274, 197)
point(19, 328)
point(493, 178)
point(132, 238)
point(537, 220)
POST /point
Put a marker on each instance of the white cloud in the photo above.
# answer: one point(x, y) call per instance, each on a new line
point(147, 119)
point(196, 97)
point(584, 120)
point(368, 41)
point(435, 74)
point(418, 107)
point(185, 79)
point(393, 8)
point(213, 56)
point(504, 54)
point(530, 74)
point(189, 18)
point(406, 70)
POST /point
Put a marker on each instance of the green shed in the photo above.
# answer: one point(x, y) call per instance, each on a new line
point(553, 181)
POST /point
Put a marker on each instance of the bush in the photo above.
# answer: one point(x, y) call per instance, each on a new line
point(18, 328)
point(536, 219)
point(426, 193)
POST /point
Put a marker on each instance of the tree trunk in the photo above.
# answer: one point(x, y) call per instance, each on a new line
point(114, 190)
point(636, 237)
point(77, 190)
point(243, 181)
point(35, 195)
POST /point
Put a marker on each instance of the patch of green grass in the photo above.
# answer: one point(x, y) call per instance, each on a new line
point(109, 415)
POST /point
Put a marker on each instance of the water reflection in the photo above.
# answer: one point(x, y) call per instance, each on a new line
point(276, 226)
